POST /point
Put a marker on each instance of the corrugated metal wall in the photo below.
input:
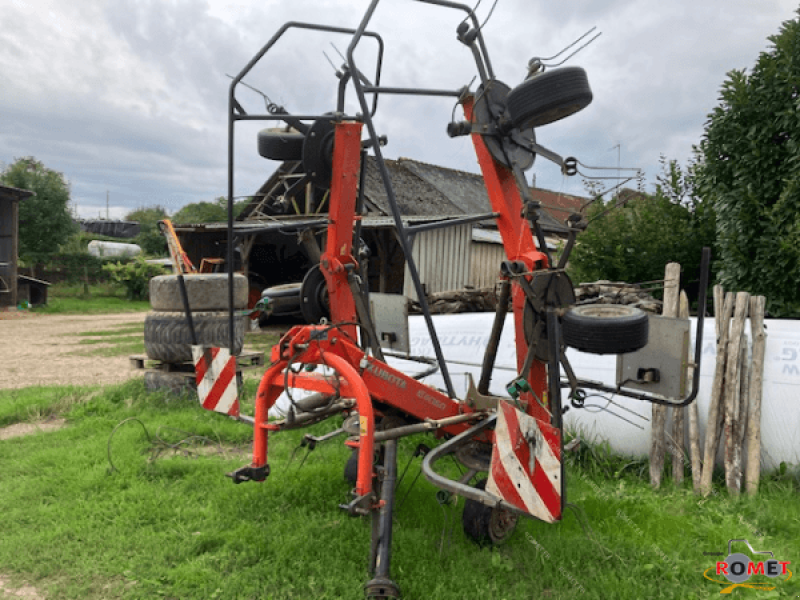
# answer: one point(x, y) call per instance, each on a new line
point(443, 259)
point(486, 259)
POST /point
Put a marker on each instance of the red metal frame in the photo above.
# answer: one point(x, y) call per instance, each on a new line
point(363, 377)
point(341, 216)
point(519, 246)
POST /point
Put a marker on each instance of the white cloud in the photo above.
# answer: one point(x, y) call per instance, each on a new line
point(131, 95)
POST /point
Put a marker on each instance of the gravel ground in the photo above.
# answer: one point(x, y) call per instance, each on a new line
point(45, 350)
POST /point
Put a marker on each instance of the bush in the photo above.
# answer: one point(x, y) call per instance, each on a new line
point(134, 275)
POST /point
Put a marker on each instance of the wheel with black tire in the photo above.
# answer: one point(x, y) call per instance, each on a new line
point(605, 328)
point(351, 468)
point(314, 303)
point(487, 525)
point(549, 97)
point(284, 301)
point(205, 291)
point(167, 337)
point(279, 144)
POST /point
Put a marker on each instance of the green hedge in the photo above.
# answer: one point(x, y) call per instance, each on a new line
point(75, 267)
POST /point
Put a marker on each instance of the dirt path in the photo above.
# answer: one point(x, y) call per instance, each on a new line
point(44, 350)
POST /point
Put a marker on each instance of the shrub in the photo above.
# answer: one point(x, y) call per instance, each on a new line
point(134, 275)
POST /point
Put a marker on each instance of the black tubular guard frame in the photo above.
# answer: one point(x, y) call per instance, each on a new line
point(698, 351)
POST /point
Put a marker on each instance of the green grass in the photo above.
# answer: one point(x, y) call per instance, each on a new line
point(74, 299)
point(176, 527)
point(262, 341)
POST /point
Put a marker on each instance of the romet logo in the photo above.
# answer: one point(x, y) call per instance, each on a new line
point(738, 568)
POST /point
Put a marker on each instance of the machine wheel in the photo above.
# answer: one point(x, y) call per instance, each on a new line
point(167, 337)
point(205, 291)
point(549, 97)
point(284, 301)
point(279, 144)
point(485, 525)
point(351, 468)
point(314, 302)
point(605, 328)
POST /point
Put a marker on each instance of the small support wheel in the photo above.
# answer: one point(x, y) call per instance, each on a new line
point(279, 144)
point(351, 468)
point(605, 328)
point(549, 97)
point(485, 525)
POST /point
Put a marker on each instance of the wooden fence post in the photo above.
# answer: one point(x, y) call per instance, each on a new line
point(672, 281)
point(733, 451)
point(694, 414)
point(679, 412)
point(743, 395)
point(757, 306)
point(722, 314)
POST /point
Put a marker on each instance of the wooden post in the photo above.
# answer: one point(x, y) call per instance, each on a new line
point(733, 458)
point(694, 414)
point(743, 393)
point(757, 305)
point(679, 412)
point(719, 303)
point(722, 313)
point(672, 279)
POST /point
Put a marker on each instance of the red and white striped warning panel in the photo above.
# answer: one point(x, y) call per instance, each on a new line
point(526, 464)
point(215, 371)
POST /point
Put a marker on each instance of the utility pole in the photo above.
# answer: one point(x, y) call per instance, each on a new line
point(108, 218)
point(619, 156)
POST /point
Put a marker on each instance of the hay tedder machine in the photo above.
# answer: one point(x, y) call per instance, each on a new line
point(341, 363)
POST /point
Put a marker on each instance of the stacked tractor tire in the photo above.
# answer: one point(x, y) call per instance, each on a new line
point(167, 336)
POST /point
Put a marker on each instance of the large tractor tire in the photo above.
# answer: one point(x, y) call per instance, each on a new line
point(167, 337)
point(549, 97)
point(605, 328)
point(206, 292)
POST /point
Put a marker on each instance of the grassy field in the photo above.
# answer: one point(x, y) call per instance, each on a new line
point(165, 522)
point(94, 299)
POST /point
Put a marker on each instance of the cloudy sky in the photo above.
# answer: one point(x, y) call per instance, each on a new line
point(128, 98)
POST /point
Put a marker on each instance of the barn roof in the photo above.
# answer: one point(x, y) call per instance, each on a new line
point(423, 189)
point(14, 194)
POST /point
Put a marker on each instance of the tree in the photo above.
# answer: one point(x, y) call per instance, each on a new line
point(749, 168)
point(150, 238)
point(45, 222)
point(632, 236)
point(208, 212)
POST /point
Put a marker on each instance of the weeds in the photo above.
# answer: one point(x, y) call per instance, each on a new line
point(92, 299)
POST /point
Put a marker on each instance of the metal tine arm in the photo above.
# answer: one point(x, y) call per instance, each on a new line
point(535, 62)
